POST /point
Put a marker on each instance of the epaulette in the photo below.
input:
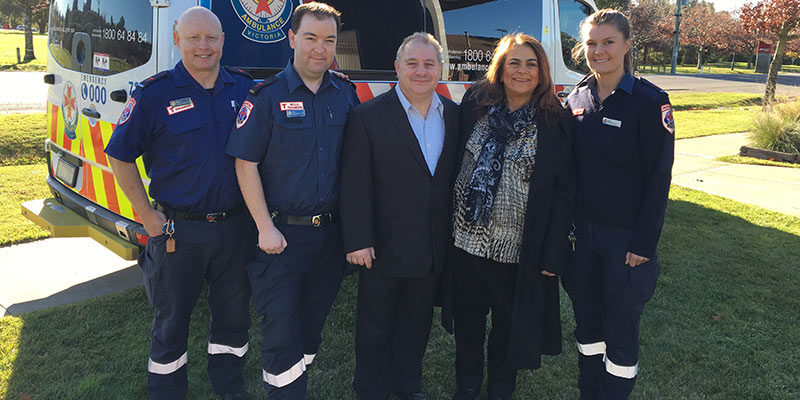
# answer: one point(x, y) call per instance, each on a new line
point(651, 90)
point(234, 70)
point(348, 81)
point(152, 79)
point(266, 82)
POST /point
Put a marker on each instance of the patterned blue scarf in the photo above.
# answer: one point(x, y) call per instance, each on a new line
point(504, 126)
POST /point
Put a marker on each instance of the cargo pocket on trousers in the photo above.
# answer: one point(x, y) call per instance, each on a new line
point(644, 278)
point(153, 255)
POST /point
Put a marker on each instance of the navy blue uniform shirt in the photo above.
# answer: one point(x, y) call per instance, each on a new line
point(180, 130)
point(623, 150)
point(296, 136)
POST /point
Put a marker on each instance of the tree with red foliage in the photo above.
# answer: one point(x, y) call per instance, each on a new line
point(651, 26)
point(702, 28)
point(738, 40)
point(778, 19)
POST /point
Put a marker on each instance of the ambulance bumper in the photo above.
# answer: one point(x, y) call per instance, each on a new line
point(66, 215)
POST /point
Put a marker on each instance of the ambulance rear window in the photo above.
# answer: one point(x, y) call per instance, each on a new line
point(571, 13)
point(101, 37)
point(472, 28)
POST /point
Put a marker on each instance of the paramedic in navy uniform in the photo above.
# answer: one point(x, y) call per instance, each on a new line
point(287, 140)
point(179, 122)
point(623, 147)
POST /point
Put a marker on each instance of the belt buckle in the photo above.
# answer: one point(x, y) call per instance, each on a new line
point(316, 220)
point(213, 217)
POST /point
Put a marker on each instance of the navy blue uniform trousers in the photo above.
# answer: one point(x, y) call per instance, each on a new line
point(293, 292)
point(214, 252)
point(608, 298)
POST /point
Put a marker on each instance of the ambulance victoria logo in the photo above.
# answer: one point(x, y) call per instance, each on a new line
point(69, 110)
point(263, 19)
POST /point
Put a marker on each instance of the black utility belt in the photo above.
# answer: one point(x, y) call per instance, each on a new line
point(316, 221)
point(208, 217)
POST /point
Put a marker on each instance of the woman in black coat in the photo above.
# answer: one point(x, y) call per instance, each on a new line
point(512, 210)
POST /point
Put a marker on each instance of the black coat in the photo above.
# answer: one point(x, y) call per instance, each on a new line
point(535, 322)
point(389, 200)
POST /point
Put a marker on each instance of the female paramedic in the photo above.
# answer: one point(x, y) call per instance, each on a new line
point(623, 149)
point(512, 200)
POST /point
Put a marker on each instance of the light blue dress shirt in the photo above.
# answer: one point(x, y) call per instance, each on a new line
point(429, 130)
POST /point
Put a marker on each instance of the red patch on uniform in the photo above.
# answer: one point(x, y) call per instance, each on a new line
point(666, 118)
point(127, 111)
point(291, 105)
point(578, 111)
point(244, 114)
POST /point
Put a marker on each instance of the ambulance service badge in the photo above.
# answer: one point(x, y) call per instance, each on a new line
point(263, 20)
point(69, 110)
point(666, 118)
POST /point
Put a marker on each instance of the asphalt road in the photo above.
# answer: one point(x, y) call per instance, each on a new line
point(788, 83)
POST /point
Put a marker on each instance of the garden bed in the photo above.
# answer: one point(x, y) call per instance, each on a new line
point(763, 154)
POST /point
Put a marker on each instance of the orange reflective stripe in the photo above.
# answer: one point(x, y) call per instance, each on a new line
point(96, 136)
point(53, 122)
point(111, 192)
point(443, 90)
point(90, 191)
point(363, 91)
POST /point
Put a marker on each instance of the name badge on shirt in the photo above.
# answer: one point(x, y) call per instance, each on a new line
point(612, 122)
point(294, 109)
point(179, 105)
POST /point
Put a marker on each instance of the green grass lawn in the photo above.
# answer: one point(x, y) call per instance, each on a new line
point(22, 166)
point(20, 183)
point(22, 139)
point(704, 101)
point(690, 124)
point(10, 40)
point(723, 324)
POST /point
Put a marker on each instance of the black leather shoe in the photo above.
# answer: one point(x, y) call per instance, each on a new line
point(412, 396)
point(235, 396)
point(466, 394)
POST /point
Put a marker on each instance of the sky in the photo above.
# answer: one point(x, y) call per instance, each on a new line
point(729, 5)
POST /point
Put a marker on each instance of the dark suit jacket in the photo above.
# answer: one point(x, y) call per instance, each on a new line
point(389, 200)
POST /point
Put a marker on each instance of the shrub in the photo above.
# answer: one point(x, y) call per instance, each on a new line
point(778, 129)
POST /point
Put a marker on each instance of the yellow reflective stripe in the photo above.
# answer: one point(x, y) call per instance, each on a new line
point(99, 187)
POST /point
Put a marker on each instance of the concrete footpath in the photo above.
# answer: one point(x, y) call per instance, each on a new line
point(58, 271)
point(773, 188)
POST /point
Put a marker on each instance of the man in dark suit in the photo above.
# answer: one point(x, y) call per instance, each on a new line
point(398, 163)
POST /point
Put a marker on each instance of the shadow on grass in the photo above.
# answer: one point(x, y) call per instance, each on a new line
point(723, 324)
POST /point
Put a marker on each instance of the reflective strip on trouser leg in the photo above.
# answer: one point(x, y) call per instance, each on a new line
point(621, 370)
point(214, 348)
point(164, 369)
point(286, 377)
point(592, 349)
point(308, 358)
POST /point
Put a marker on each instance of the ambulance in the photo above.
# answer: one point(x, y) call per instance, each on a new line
point(99, 49)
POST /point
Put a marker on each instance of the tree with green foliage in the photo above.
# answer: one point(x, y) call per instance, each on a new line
point(28, 9)
point(621, 5)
